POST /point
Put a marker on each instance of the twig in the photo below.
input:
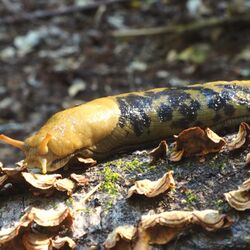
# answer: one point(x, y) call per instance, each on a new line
point(181, 28)
point(89, 194)
point(65, 10)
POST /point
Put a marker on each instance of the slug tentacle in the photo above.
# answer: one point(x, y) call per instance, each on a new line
point(13, 142)
point(113, 124)
point(43, 147)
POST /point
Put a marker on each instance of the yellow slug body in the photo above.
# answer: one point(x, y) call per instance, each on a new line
point(106, 125)
point(78, 127)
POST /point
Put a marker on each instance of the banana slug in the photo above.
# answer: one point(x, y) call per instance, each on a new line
point(111, 124)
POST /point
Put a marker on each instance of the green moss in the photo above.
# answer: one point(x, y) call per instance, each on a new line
point(190, 196)
point(151, 167)
point(109, 204)
point(134, 165)
point(217, 162)
point(172, 190)
point(110, 178)
point(55, 205)
point(86, 210)
point(222, 166)
point(70, 202)
point(222, 205)
point(119, 163)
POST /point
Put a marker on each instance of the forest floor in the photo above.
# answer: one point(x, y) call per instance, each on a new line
point(54, 61)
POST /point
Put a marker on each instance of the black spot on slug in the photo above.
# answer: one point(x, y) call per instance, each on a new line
point(234, 87)
point(176, 98)
point(207, 92)
point(221, 100)
point(134, 110)
point(216, 103)
point(165, 113)
point(172, 95)
point(190, 111)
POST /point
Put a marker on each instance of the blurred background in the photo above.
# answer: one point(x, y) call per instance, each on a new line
point(56, 54)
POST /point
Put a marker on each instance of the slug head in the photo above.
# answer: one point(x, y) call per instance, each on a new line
point(39, 156)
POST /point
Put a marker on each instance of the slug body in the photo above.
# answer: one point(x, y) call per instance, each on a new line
point(111, 124)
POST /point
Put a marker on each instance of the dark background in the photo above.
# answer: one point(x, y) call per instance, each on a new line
point(50, 61)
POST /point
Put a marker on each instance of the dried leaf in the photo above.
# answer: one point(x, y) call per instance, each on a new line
point(176, 155)
point(245, 185)
point(195, 54)
point(240, 199)
point(77, 86)
point(80, 180)
point(247, 159)
point(120, 238)
point(3, 179)
point(65, 184)
point(163, 227)
point(172, 219)
point(50, 218)
point(87, 161)
point(59, 242)
point(41, 181)
point(14, 174)
point(196, 141)
point(153, 188)
point(211, 220)
point(156, 235)
point(37, 241)
point(45, 218)
point(159, 153)
point(242, 138)
point(50, 183)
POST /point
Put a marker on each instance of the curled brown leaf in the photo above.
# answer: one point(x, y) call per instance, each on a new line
point(121, 237)
point(12, 174)
point(41, 181)
point(80, 180)
point(153, 188)
point(47, 184)
point(163, 227)
point(196, 141)
point(239, 199)
point(65, 185)
point(45, 218)
point(89, 162)
point(3, 179)
point(159, 152)
point(59, 242)
point(242, 139)
point(211, 220)
point(247, 161)
point(38, 241)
